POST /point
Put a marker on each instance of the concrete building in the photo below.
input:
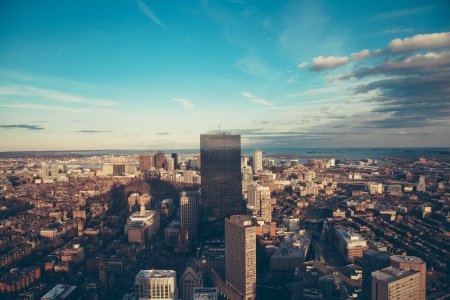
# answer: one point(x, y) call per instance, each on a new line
point(160, 159)
point(240, 256)
point(391, 283)
point(156, 285)
point(148, 218)
point(258, 199)
point(412, 263)
point(291, 253)
point(257, 161)
point(189, 212)
point(350, 245)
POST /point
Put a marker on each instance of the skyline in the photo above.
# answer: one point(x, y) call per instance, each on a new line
point(148, 75)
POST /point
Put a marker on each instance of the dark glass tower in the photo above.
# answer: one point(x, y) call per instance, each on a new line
point(220, 157)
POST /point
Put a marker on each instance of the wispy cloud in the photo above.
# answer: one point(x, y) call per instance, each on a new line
point(394, 30)
point(256, 99)
point(402, 12)
point(185, 103)
point(146, 10)
point(161, 133)
point(92, 131)
point(28, 127)
point(331, 62)
point(43, 107)
point(254, 66)
point(31, 91)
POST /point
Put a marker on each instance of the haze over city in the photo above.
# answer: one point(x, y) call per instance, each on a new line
point(155, 74)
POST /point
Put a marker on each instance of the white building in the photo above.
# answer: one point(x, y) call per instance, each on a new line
point(156, 285)
point(257, 161)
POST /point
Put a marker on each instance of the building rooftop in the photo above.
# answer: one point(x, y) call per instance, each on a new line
point(407, 259)
point(156, 274)
point(391, 274)
point(60, 291)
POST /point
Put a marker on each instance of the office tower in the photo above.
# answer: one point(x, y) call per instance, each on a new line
point(118, 169)
point(189, 208)
point(372, 261)
point(258, 199)
point(44, 171)
point(257, 161)
point(160, 159)
point(247, 179)
point(240, 255)
point(169, 164)
point(205, 293)
point(412, 263)
point(145, 162)
point(143, 225)
point(175, 160)
point(192, 278)
point(221, 175)
point(156, 285)
point(392, 283)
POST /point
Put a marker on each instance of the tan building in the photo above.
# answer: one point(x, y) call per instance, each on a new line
point(189, 209)
point(156, 285)
point(145, 162)
point(350, 245)
point(412, 263)
point(150, 219)
point(240, 256)
point(392, 283)
point(258, 199)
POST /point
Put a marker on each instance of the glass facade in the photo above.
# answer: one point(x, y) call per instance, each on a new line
point(220, 157)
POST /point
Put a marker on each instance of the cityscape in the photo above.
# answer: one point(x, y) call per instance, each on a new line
point(224, 150)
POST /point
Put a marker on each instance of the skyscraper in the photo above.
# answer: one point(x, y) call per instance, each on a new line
point(175, 160)
point(372, 261)
point(259, 200)
point(221, 175)
point(257, 161)
point(156, 284)
point(189, 208)
point(240, 256)
point(412, 263)
point(145, 162)
point(395, 284)
point(160, 159)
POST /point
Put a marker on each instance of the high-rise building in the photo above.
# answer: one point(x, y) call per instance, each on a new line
point(160, 159)
point(258, 199)
point(391, 283)
point(372, 261)
point(169, 164)
point(412, 263)
point(189, 212)
point(240, 256)
point(118, 169)
point(221, 175)
point(175, 160)
point(156, 285)
point(257, 161)
point(145, 162)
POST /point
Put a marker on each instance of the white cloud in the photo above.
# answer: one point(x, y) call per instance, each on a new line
point(145, 9)
point(361, 54)
point(43, 107)
point(184, 102)
point(420, 41)
point(322, 63)
point(302, 65)
point(256, 99)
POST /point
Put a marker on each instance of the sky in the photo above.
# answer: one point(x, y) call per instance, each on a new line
point(154, 74)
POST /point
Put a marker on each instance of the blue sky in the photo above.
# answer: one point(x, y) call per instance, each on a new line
point(155, 74)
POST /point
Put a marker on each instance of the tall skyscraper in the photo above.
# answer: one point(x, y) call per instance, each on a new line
point(145, 162)
point(240, 255)
point(257, 161)
point(156, 285)
point(189, 212)
point(372, 261)
point(175, 160)
point(412, 263)
point(395, 284)
point(221, 175)
point(160, 159)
